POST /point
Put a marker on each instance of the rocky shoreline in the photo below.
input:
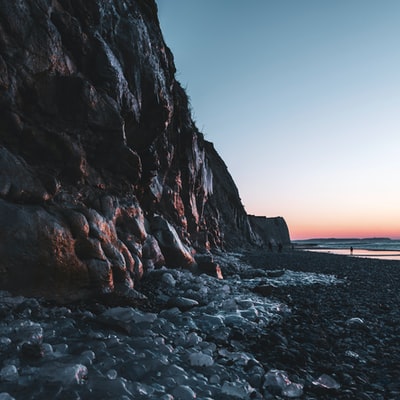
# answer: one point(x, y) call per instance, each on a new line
point(348, 331)
point(279, 325)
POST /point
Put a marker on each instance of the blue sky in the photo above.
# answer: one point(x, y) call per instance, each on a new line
point(301, 98)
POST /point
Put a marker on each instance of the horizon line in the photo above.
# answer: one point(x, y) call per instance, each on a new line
point(350, 238)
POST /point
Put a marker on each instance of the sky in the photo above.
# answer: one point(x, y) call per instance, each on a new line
point(301, 99)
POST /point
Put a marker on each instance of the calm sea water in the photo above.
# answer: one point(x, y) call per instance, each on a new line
point(383, 248)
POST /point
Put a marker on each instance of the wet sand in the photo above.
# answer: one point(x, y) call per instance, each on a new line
point(364, 253)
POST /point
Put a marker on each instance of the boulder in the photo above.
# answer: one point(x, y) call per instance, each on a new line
point(176, 253)
point(38, 253)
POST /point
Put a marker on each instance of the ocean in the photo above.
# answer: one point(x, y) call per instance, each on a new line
point(382, 248)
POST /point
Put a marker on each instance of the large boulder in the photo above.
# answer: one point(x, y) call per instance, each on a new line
point(175, 252)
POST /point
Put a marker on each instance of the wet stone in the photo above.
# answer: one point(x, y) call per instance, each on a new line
point(201, 360)
point(275, 273)
point(168, 279)
point(6, 396)
point(184, 392)
point(9, 373)
point(238, 390)
point(182, 303)
point(326, 382)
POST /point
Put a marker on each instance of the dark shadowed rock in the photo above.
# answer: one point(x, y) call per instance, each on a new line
point(152, 252)
point(277, 273)
point(206, 264)
point(272, 231)
point(37, 251)
point(182, 303)
point(17, 182)
point(176, 253)
point(265, 290)
point(103, 174)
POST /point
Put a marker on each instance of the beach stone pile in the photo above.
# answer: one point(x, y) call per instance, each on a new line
point(349, 331)
point(193, 337)
point(326, 328)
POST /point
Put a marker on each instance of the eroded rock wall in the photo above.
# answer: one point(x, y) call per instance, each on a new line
point(272, 231)
point(103, 174)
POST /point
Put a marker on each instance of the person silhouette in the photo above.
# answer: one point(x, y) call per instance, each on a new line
point(351, 249)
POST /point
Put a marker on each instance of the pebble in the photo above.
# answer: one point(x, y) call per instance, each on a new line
point(326, 382)
point(9, 373)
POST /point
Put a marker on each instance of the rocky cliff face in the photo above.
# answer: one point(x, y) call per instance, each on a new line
point(272, 231)
point(103, 174)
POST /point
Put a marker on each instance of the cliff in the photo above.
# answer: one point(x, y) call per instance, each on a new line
point(272, 231)
point(103, 174)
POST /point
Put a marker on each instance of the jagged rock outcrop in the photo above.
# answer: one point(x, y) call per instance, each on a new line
point(103, 174)
point(273, 231)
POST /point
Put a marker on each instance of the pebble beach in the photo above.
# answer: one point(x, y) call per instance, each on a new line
point(284, 325)
point(349, 331)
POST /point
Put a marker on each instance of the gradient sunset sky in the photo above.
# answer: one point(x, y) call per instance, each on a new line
point(301, 98)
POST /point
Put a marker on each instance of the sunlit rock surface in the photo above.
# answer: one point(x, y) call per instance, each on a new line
point(103, 174)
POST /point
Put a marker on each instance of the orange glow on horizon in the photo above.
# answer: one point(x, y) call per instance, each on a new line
point(331, 221)
point(318, 226)
point(315, 232)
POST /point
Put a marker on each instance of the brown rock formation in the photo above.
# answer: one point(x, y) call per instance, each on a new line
point(272, 231)
point(103, 173)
